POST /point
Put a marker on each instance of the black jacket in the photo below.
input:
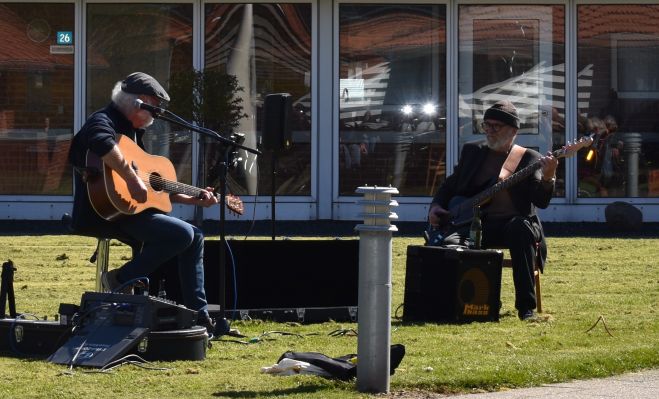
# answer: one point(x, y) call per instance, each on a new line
point(98, 135)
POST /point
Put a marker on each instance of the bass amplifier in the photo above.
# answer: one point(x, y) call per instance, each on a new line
point(452, 285)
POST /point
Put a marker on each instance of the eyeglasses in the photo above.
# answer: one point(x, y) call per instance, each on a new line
point(493, 126)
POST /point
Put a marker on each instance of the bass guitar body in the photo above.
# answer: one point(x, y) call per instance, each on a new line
point(461, 211)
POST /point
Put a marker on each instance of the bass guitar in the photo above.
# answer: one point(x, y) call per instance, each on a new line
point(461, 209)
point(109, 195)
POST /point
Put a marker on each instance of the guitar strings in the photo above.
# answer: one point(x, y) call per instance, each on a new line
point(167, 185)
point(162, 184)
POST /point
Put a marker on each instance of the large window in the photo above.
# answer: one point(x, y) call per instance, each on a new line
point(618, 55)
point(392, 93)
point(514, 53)
point(265, 49)
point(151, 38)
point(36, 98)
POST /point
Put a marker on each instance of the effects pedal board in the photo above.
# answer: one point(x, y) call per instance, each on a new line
point(111, 324)
point(155, 313)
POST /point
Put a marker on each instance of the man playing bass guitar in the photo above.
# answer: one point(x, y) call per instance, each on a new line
point(158, 236)
point(509, 219)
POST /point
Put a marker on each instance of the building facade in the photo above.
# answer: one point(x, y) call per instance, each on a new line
point(383, 92)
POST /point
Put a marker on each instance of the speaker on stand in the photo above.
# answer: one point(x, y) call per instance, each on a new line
point(276, 135)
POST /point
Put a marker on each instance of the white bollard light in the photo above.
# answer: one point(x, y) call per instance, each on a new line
point(374, 298)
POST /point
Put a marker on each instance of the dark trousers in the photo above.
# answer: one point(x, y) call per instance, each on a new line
point(164, 237)
point(519, 236)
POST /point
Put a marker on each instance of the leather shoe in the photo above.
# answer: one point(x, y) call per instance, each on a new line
point(527, 314)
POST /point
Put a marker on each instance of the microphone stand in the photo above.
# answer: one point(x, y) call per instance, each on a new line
point(229, 148)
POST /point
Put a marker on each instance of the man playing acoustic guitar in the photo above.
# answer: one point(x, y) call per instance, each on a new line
point(158, 236)
point(509, 218)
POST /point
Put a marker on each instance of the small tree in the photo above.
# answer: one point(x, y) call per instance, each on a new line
point(208, 98)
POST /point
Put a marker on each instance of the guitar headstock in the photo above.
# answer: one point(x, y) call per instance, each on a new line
point(570, 149)
point(234, 204)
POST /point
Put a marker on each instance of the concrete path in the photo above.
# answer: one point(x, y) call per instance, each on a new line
point(640, 385)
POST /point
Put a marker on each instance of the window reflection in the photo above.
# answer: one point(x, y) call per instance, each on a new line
point(267, 48)
point(392, 97)
point(158, 42)
point(514, 53)
point(36, 99)
point(621, 105)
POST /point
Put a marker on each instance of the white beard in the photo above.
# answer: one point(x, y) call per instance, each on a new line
point(500, 143)
point(497, 144)
point(148, 122)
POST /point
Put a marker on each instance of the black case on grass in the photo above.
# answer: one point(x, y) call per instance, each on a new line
point(185, 344)
point(36, 338)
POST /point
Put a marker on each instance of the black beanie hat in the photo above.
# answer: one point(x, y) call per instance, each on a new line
point(141, 83)
point(503, 111)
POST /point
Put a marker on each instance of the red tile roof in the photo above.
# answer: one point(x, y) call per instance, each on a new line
point(18, 51)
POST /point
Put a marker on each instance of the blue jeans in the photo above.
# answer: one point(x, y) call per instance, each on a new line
point(164, 237)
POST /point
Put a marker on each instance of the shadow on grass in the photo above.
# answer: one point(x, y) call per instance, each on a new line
point(275, 393)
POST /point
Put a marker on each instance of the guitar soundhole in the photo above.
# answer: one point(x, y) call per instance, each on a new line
point(156, 182)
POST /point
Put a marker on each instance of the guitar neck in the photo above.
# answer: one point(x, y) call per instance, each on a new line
point(515, 178)
point(173, 187)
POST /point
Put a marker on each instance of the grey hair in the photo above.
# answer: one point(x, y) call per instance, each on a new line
point(125, 102)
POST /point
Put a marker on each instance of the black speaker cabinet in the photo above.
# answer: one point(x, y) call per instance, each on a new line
point(452, 285)
point(276, 128)
point(306, 280)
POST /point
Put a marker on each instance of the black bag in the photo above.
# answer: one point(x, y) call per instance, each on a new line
point(342, 368)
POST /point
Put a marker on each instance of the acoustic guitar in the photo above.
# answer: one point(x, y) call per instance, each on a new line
point(109, 195)
point(461, 209)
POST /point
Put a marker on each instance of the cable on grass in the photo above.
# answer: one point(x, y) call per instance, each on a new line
point(262, 337)
point(235, 341)
point(606, 328)
point(267, 333)
point(396, 316)
point(109, 368)
point(128, 359)
point(350, 332)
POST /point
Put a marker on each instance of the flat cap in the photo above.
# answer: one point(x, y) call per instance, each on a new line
point(141, 83)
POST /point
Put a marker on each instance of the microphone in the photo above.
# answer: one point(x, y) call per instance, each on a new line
point(155, 111)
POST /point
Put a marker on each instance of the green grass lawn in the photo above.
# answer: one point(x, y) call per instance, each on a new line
point(617, 279)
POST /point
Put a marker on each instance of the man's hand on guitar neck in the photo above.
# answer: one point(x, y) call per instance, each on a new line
point(206, 198)
point(548, 164)
point(437, 215)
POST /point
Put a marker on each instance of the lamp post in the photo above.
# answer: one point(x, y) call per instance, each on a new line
point(374, 298)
